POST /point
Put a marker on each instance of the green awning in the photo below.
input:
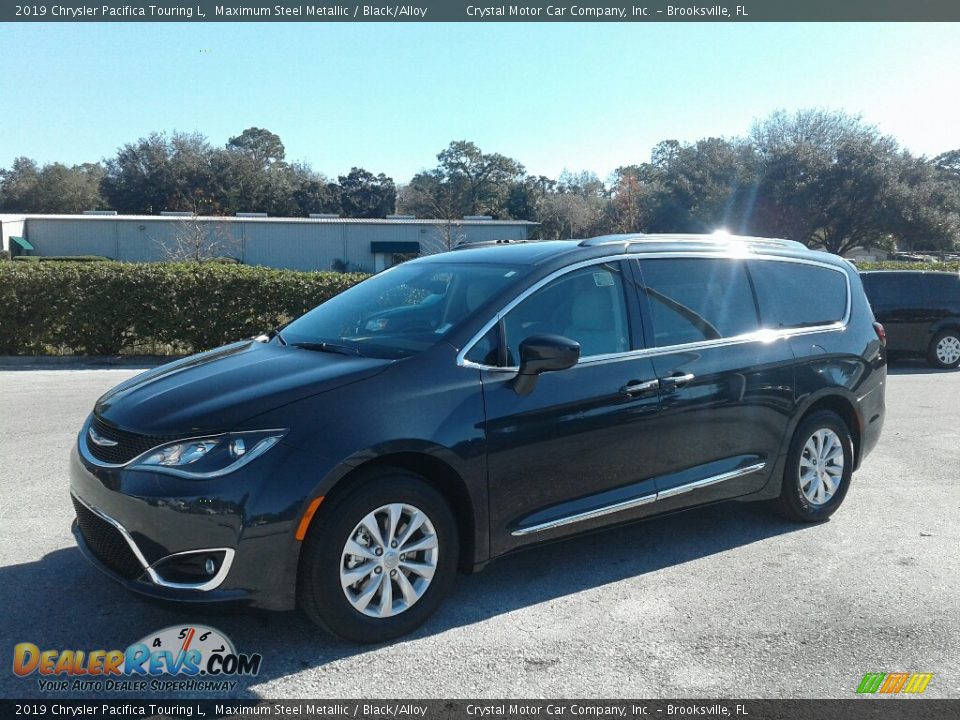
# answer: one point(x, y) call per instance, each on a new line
point(22, 242)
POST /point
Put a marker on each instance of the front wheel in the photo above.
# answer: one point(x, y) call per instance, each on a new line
point(378, 562)
point(819, 468)
point(945, 350)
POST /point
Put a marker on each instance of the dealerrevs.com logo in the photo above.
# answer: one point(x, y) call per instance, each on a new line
point(177, 658)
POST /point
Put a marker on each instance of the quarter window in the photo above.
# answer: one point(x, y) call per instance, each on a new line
point(697, 299)
point(797, 295)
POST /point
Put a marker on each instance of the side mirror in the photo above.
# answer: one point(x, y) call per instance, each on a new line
point(543, 353)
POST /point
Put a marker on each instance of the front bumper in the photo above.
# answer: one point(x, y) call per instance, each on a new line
point(144, 530)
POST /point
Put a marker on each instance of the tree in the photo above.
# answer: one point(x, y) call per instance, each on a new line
point(365, 195)
point(427, 196)
point(829, 179)
point(574, 206)
point(467, 181)
point(263, 146)
point(479, 180)
point(196, 240)
point(629, 208)
point(312, 192)
point(18, 186)
point(162, 172)
point(55, 188)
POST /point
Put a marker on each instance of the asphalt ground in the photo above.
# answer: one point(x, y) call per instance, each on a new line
point(724, 601)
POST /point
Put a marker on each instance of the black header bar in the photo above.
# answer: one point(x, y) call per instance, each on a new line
point(484, 11)
point(708, 709)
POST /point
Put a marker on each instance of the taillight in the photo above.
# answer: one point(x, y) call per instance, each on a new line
point(881, 333)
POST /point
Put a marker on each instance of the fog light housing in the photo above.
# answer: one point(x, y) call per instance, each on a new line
point(191, 568)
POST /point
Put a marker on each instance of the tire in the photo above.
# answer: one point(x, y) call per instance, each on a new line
point(806, 495)
point(944, 350)
point(359, 612)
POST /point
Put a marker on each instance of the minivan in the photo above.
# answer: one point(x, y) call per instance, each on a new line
point(920, 311)
point(462, 406)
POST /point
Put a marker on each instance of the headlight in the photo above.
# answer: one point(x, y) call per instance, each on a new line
point(208, 457)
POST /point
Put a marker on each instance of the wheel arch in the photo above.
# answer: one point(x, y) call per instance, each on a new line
point(845, 408)
point(438, 473)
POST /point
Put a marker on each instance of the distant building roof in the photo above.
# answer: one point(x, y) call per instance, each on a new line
point(231, 219)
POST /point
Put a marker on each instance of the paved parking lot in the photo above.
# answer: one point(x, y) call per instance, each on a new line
point(722, 601)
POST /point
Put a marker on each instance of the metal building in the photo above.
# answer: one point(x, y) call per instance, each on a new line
point(314, 243)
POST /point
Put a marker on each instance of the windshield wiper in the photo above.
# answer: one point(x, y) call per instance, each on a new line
point(328, 347)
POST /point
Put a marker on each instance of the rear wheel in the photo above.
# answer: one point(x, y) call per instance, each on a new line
point(378, 562)
point(819, 468)
point(944, 351)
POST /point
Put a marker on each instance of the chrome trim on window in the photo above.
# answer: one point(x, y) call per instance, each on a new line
point(762, 335)
point(637, 502)
point(213, 583)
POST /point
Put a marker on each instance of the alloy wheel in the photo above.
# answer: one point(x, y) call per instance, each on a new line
point(389, 560)
point(948, 349)
point(821, 466)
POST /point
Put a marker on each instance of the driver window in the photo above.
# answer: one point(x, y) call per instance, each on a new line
point(587, 305)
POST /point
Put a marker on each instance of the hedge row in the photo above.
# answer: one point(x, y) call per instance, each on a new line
point(898, 265)
point(109, 308)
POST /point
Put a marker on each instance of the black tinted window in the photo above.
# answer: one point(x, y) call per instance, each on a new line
point(893, 290)
point(403, 311)
point(693, 299)
point(487, 349)
point(943, 290)
point(586, 305)
point(794, 295)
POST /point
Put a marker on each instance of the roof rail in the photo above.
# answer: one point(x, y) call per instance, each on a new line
point(487, 243)
point(714, 238)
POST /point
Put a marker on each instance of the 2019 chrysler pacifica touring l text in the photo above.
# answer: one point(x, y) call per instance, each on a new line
point(467, 404)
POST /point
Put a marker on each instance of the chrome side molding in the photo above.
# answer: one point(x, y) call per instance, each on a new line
point(637, 502)
point(706, 482)
point(588, 515)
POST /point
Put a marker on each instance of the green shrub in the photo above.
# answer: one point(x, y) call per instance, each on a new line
point(109, 308)
point(897, 265)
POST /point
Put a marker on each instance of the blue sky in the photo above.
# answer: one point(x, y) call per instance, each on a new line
point(389, 97)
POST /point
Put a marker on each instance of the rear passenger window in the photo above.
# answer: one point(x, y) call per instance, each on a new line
point(795, 295)
point(894, 290)
point(943, 291)
point(697, 299)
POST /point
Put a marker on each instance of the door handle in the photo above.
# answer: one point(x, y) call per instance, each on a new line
point(637, 388)
point(675, 381)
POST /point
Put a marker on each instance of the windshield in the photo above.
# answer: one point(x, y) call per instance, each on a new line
point(401, 312)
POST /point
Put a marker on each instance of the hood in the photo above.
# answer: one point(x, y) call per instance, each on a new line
point(214, 391)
